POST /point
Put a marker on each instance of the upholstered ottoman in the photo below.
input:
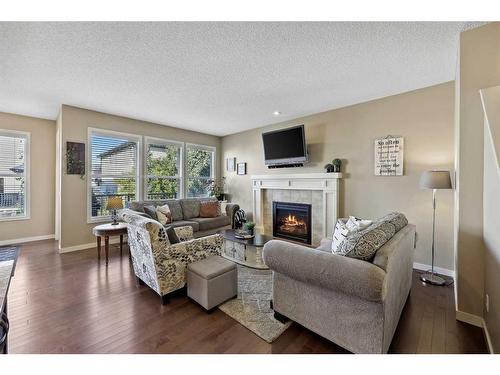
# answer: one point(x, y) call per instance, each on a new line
point(211, 281)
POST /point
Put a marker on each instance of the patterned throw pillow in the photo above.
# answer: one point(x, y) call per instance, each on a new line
point(364, 244)
point(164, 215)
point(354, 224)
point(340, 234)
point(210, 209)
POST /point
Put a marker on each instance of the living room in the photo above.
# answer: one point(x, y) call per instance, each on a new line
point(249, 188)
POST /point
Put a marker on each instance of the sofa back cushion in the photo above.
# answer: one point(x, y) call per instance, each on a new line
point(210, 209)
point(365, 243)
point(151, 211)
point(173, 204)
point(190, 208)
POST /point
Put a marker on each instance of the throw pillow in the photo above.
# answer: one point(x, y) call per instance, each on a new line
point(210, 209)
point(355, 224)
point(172, 236)
point(151, 211)
point(340, 234)
point(164, 215)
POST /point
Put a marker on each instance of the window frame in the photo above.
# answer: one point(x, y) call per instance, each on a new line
point(26, 175)
point(213, 149)
point(153, 140)
point(138, 185)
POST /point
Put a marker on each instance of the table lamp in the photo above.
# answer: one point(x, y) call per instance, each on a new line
point(434, 180)
point(113, 204)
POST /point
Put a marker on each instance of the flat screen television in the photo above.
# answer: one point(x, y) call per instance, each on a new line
point(285, 147)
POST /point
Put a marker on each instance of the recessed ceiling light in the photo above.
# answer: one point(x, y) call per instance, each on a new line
point(276, 113)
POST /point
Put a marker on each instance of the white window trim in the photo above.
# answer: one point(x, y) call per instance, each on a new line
point(132, 137)
point(27, 173)
point(214, 164)
point(161, 141)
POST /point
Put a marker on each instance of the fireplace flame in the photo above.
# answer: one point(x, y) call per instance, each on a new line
point(292, 220)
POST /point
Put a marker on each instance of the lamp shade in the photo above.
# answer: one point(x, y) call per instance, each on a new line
point(435, 180)
point(114, 203)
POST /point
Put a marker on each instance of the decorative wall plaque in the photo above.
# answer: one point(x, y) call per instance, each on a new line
point(389, 156)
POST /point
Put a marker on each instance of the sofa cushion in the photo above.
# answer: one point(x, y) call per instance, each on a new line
point(182, 223)
point(190, 208)
point(364, 244)
point(210, 209)
point(172, 235)
point(164, 215)
point(175, 209)
point(207, 223)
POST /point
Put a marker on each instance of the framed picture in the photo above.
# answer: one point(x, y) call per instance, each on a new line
point(75, 158)
point(389, 156)
point(242, 168)
point(230, 164)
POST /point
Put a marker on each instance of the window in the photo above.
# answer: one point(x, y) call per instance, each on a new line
point(200, 162)
point(114, 166)
point(14, 175)
point(163, 169)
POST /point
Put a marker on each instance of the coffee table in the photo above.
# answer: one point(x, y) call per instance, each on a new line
point(245, 252)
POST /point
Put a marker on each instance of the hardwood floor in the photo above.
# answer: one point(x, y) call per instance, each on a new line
point(69, 303)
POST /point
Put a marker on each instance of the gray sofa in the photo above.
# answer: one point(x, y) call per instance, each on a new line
point(354, 303)
point(186, 212)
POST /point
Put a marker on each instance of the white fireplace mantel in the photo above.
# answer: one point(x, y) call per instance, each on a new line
point(328, 183)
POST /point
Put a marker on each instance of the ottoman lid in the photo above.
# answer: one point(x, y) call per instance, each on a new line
point(211, 267)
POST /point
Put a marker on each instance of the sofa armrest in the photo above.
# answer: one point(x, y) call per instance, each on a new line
point(335, 272)
point(231, 209)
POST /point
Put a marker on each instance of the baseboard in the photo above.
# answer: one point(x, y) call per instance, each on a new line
point(16, 241)
point(477, 321)
point(85, 246)
point(438, 270)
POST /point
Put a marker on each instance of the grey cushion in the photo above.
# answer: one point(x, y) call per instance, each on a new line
point(365, 243)
point(183, 223)
point(172, 236)
point(190, 208)
point(151, 211)
point(207, 223)
point(211, 267)
point(175, 209)
point(325, 245)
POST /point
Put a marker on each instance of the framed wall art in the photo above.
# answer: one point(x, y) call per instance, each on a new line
point(230, 164)
point(389, 156)
point(242, 168)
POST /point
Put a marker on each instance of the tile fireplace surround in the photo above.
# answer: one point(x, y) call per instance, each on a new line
point(320, 190)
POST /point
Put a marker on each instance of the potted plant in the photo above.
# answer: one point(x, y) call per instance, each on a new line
point(337, 163)
point(217, 190)
point(329, 168)
point(249, 227)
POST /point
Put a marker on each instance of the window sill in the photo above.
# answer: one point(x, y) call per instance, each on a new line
point(15, 218)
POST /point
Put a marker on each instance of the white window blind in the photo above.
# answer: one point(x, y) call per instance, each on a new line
point(200, 163)
point(114, 170)
point(163, 169)
point(14, 175)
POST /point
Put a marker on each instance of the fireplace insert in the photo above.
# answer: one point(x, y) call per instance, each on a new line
point(292, 221)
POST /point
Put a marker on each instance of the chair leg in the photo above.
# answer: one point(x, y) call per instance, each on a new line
point(165, 300)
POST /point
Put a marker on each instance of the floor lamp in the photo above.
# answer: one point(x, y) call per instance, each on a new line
point(434, 180)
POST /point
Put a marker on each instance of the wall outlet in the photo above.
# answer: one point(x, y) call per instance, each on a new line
point(487, 303)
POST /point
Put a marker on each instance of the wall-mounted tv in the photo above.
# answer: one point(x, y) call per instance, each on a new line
point(285, 147)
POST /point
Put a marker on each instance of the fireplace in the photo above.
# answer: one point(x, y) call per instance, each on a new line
point(292, 221)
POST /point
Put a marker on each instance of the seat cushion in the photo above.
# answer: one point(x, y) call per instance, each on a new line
point(190, 208)
point(183, 223)
point(211, 267)
point(207, 223)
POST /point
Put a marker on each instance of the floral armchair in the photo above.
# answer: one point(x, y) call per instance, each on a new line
point(160, 264)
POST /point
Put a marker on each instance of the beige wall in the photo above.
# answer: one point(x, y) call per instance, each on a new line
point(491, 216)
point(479, 67)
point(75, 122)
point(42, 172)
point(423, 117)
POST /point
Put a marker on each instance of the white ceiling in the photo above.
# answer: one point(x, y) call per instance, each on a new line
point(218, 78)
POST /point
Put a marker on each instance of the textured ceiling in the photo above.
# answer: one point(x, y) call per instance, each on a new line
point(218, 78)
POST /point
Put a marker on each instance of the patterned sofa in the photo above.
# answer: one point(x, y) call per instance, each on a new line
point(186, 212)
point(158, 263)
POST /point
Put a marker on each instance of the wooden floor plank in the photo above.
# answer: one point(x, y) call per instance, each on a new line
point(71, 303)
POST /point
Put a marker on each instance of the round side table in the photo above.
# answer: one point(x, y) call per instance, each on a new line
point(106, 231)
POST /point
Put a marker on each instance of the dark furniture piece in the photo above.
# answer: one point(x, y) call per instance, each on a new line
point(245, 252)
point(8, 259)
point(106, 231)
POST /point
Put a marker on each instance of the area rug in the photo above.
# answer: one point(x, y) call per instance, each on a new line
point(252, 306)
